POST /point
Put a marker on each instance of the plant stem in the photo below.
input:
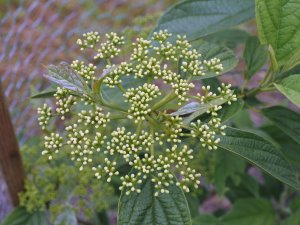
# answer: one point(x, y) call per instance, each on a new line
point(152, 134)
point(185, 127)
point(255, 91)
point(108, 62)
point(138, 128)
point(186, 135)
point(118, 117)
point(164, 101)
point(266, 77)
point(155, 123)
point(122, 89)
point(244, 86)
point(114, 107)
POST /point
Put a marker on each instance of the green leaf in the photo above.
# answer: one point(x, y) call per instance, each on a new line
point(278, 24)
point(213, 83)
point(197, 18)
point(67, 217)
point(209, 51)
point(288, 146)
point(196, 109)
point(250, 211)
point(206, 220)
point(255, 56)
point(294, 70)
point(293, 219)
point(243, 120)
point(229, 111)
point(247, 187)
point(44, 94)
point(187, 109)
point(261, 153)
point(287, 120)
point(227, 166)
point(146, 209)
point(100, 218)
point(290, 87)
point(230, 38)
point(295, 204)
point(199, 110)
point(66, 77)
point(193, 203)
point(21, 217)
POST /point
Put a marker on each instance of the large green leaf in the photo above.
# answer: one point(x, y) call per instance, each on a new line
point(213, 83)
point(209, 51)
point(250, 211)
point(289, 147)
point(229, 111)
point(287, 120)
point(47, 93)
point(146, 209)
point(278, 23)
point(206, 219)
point(21, 217)
point(290, 87)
point(197, 109)
point(261, 153)
point(66, 77)
point(230, 38)
point(247, 187)
point(294, 70)
point(197, 18)
point(243, 120)
point(227, 166)
point(255, 56)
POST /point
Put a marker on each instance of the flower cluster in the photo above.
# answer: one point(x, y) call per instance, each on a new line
point(140, 99)
point(90, 39)
point(110, 48)
point(52, 145)
point(45, 114)
point(174, 128)
point(141, 50)
point(127, 144)
point(139, 130)
point(87, 72)
point(225, 95)
point(213, 65)
point(109, 169)
point(112, 78)
point(64, 101)
point(94, 117)
point(207, 132)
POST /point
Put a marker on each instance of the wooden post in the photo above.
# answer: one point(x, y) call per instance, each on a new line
point(10, 157)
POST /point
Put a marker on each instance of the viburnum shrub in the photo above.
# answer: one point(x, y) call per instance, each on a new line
point(146, 119)
point(141, 131)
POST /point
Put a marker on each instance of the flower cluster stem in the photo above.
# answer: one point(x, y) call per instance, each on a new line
point(169, 97)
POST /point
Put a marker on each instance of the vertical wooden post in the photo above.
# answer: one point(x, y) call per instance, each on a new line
point(10, 157)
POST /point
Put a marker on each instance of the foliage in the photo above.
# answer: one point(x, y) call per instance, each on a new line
point(139, 122)
point(56, 186)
